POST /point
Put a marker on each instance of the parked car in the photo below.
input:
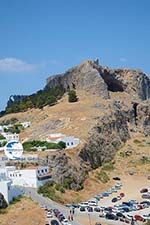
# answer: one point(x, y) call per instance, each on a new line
point(139, 218)
point(97, 209)
point(145, 202)
point(93, 202)
point(111, 216)
point(84, 204)
point(126, 209)
point(49, 215)
point(89, 209)
point(114, 200)
point(119, 214)
point(118, 197)
point(82, 209)
point(116, 178)
point(102, 214)
point(122, 195)
point(74, 206)
point(144, 190)
point(54, 222)
point(65, 222)
point(146, 217)
point(105, 194)
point(147, 195)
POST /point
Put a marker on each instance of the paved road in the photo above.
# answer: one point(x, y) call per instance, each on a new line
point(47, 202)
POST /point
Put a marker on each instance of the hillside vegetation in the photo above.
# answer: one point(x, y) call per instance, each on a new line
point(39, 99)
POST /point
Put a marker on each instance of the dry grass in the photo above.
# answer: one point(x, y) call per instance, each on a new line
point(23, 213)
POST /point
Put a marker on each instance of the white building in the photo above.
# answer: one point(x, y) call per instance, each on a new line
point(10, 136)
point(7, 189)
point(33, 177)
point(70, 141)
point(26, 124)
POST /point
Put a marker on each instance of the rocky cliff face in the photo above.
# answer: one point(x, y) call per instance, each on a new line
point(82, 77)
point(134, 82)
point(95, 79)
point(64, 171)
point(105, 139)
point(143, 117)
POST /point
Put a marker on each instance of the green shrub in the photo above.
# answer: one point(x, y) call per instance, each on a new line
point(145, 160)
point(72, 97)
point(33, 145)
point(102, 176)
point(108, 166)
point(16, 199)
point(137, 141)
point(2, 137)
point(48, 190)
point(3, 143)
point(62, 190)
point(67, 182)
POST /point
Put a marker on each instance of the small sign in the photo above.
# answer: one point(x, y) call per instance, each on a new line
point(13, 149)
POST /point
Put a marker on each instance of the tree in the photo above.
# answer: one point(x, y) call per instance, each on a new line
point(62, 144)
point(72, 97)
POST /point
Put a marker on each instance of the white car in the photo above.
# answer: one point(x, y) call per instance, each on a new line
point(84, 204)
point(65, 222)
point(102, 214)
point(146, 217)
point(93, 203)
point(49, 215)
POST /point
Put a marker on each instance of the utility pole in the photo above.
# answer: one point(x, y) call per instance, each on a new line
point(89, 219)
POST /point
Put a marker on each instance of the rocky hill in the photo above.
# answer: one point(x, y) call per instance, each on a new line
point(95, 79)
point(114, 105)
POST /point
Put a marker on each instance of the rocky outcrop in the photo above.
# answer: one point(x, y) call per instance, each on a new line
point(92, 77)
point(64, 172)
point(143, 117)
point(105, 139)
point(83, 77)
point(134, 82)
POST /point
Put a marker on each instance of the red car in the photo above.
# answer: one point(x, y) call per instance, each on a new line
point(139, 218)
point(122, 195)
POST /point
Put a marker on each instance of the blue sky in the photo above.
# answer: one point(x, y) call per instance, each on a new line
point(43, 37)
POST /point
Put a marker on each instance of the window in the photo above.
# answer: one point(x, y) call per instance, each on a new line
point(71, 143)
point(68, 143)
point(45, 170)
point(10, 175)
point(19, 175)
point(42, 171)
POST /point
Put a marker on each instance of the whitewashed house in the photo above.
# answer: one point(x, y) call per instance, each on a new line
point(7, 189)
point(31, 177)
point(70, 141)
point(26, 124)
point(10, 136)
